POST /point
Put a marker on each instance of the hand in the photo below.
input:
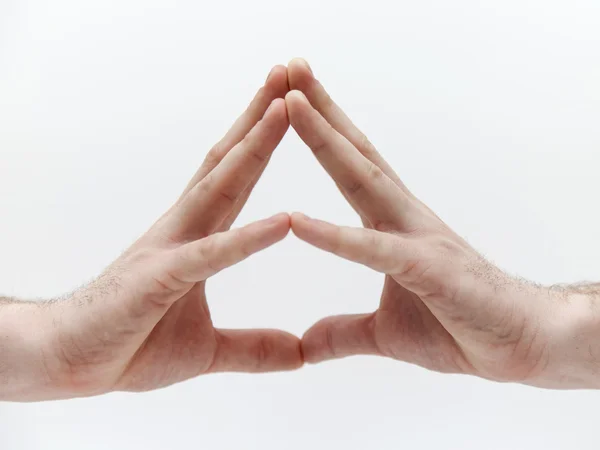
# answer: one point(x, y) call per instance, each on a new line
point(443, 306)
point(145, 322)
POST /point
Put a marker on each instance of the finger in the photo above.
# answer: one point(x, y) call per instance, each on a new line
point(365, 221)
point(340, 336)
point(373, 194)
point(256, 351)
point(301, 78)
point(213, 198)
point(241, 202)
point(383, 252)
point(275, 87)
point(199, 260)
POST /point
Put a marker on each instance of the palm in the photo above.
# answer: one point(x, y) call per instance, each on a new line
point(147, 323)
point(181, 346)
point(443, 306)
point(405, 329)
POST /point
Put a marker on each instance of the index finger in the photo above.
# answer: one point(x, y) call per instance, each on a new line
point(300, 77)
point(275, 87)
point(373, 194)
point(211, 201)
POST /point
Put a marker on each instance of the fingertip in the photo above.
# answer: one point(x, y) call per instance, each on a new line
point(296, 102)
point(276, 71)
point(278, 81)
point(300, 64)
point(257, 351)
point(300, 74)
point(277, 111)
point(310, 348)
point(312, 231)
point(337, 337)
point(295, 96)
point(277, 106)
point(279, 225)
point(299, 223)
point(298, 216)
point(291, 346)
point(282, 218)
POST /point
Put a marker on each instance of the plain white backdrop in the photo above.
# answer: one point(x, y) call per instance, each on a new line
point(489, 111)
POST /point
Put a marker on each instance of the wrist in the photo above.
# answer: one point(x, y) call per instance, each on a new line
point(26, 356)
point(573, 360)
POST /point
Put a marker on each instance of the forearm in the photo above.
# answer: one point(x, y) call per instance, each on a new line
point(25, 330)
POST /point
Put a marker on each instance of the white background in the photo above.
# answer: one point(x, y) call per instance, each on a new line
point(490, 112)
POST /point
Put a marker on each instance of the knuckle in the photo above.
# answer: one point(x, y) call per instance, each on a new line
point(262, 353)
point(374, 243)
point(168, 284)
point(414, 270)
point(365, 145)
point(336, 243)
point(248, 140)
point(214, 155)
point(354, 187)
point(374, 173)
point(328, 340)
point(258, 157)
point(319, 147)
point(206, 184)
point(207, 252)
point(241, 236)
point(245, 251)
point(228, 197)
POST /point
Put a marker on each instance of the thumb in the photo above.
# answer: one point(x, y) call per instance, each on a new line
point(340, 336)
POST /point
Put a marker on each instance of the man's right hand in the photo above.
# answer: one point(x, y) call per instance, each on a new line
point(443, 306)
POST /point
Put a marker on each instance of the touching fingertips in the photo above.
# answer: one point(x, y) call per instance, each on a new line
point(300, 74)
point(299, 221)
point(277, 81)
point(302, 63)
point(281, 218)
point(295, 100)
point(277, 111)
point(310, 349)
point(272, 229)
point(306, 221)
point(310, 230)
point(257, 351)
point(279, 221)
point(273, 106)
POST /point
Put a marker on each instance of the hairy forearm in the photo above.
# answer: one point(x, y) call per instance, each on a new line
point(24, 350)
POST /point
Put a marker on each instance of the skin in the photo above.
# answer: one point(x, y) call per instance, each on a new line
point(443, 306)
point(145, 323)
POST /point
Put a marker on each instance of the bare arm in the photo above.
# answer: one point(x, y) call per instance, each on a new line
point(24, 346)
point(145, 323)
point(443, 306)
